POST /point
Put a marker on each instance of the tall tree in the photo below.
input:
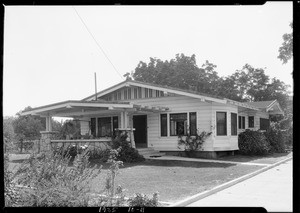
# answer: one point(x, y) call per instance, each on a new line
point(181, 72)
point(286, 49)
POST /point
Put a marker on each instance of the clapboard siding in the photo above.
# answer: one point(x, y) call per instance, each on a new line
point(228, 142)
point(257, 117)
point(177, 104)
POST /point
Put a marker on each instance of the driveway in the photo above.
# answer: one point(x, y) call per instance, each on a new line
point(271, 189)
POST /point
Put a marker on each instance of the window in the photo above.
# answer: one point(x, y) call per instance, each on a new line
point(251, 121)
point(241, 122)
point(221, 123)
point(125, 94)
point(93, 126)
point(264, 123)
point(233, 124)
point(135, 93)
point(150, 93)
point(162, 93)
point(193, 123)
point(157, 92)
point(163, 125)
point(115, 96)
point(129, 93)
point(139, 92)
point(104, 127)
point(146, 92)
point(178, 123)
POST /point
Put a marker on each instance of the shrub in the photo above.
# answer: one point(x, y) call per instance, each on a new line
point(50, 182)
point(276, 139)
point(193, 143)
point(127, 153)
point(141, 200)
point(11, 195)
point(253, 143)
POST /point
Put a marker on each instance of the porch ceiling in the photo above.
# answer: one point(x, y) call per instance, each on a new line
point(81, 108)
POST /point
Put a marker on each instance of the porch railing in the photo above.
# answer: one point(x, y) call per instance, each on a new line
point(101, 144)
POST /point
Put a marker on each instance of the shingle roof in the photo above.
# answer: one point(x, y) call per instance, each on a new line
point(261, 104)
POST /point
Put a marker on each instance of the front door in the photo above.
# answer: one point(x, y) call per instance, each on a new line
point(140, 133)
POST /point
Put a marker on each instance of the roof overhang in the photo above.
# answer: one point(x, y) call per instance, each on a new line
point(80, 108)
point(241, 104)
point(274, 109)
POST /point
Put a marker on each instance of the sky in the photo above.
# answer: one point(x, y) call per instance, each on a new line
point(51, 53)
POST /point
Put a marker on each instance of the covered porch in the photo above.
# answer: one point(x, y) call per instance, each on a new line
point(99, 120)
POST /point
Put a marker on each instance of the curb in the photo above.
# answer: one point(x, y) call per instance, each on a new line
point(221, 187)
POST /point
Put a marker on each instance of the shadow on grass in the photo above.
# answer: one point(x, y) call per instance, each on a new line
point(248, 158)
point(167, 163)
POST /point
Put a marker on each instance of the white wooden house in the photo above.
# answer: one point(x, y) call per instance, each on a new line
point(158, 114)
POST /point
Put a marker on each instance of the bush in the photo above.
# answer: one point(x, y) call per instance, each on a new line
point(49, 181)
point(127, 153)
point(253, 143)
point(193, 143)
point(276, 139)
point(140, 200)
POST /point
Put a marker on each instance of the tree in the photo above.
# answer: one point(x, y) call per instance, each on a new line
point(8, 133)
point(252, 84)
point(181, 72)
point(27, 127)
point(286, 49)
point(246, 84)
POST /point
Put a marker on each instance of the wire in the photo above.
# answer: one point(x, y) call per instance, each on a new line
point(97, 43)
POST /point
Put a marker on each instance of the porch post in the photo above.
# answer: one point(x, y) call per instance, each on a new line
point(125, 129)
point(46, 136)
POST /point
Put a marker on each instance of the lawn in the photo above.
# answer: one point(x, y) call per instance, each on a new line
point(174, 180)
point(268, 159)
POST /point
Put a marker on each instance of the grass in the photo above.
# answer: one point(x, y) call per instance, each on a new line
point(174, 180)
point(268, 159)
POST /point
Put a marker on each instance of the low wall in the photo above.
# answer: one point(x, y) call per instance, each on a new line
point(91, 143)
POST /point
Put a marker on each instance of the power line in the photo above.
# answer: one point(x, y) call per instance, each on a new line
point(97, 42)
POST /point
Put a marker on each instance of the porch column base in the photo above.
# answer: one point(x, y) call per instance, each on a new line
point(45, 141)
point(129, 133)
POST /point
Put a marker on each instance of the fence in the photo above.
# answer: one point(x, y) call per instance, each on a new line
point(92, 144)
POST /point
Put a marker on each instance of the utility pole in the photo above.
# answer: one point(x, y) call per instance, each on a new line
point(95, 87)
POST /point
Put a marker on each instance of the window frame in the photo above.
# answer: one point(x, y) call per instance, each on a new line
point(98, 126)
point(184, 126)
point(252, 122)
point(190, 123)
point(225, 123)
point(242, 122)
point(161, 126)
point(235, 133)
point(139, 92)
point(260, 122)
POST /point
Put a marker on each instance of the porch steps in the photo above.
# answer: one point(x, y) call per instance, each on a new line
point(150, 152)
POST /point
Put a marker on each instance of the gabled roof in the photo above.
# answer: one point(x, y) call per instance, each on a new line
point(272, 106)
point(188, 93)
point(261, 104)
point(157, 87)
